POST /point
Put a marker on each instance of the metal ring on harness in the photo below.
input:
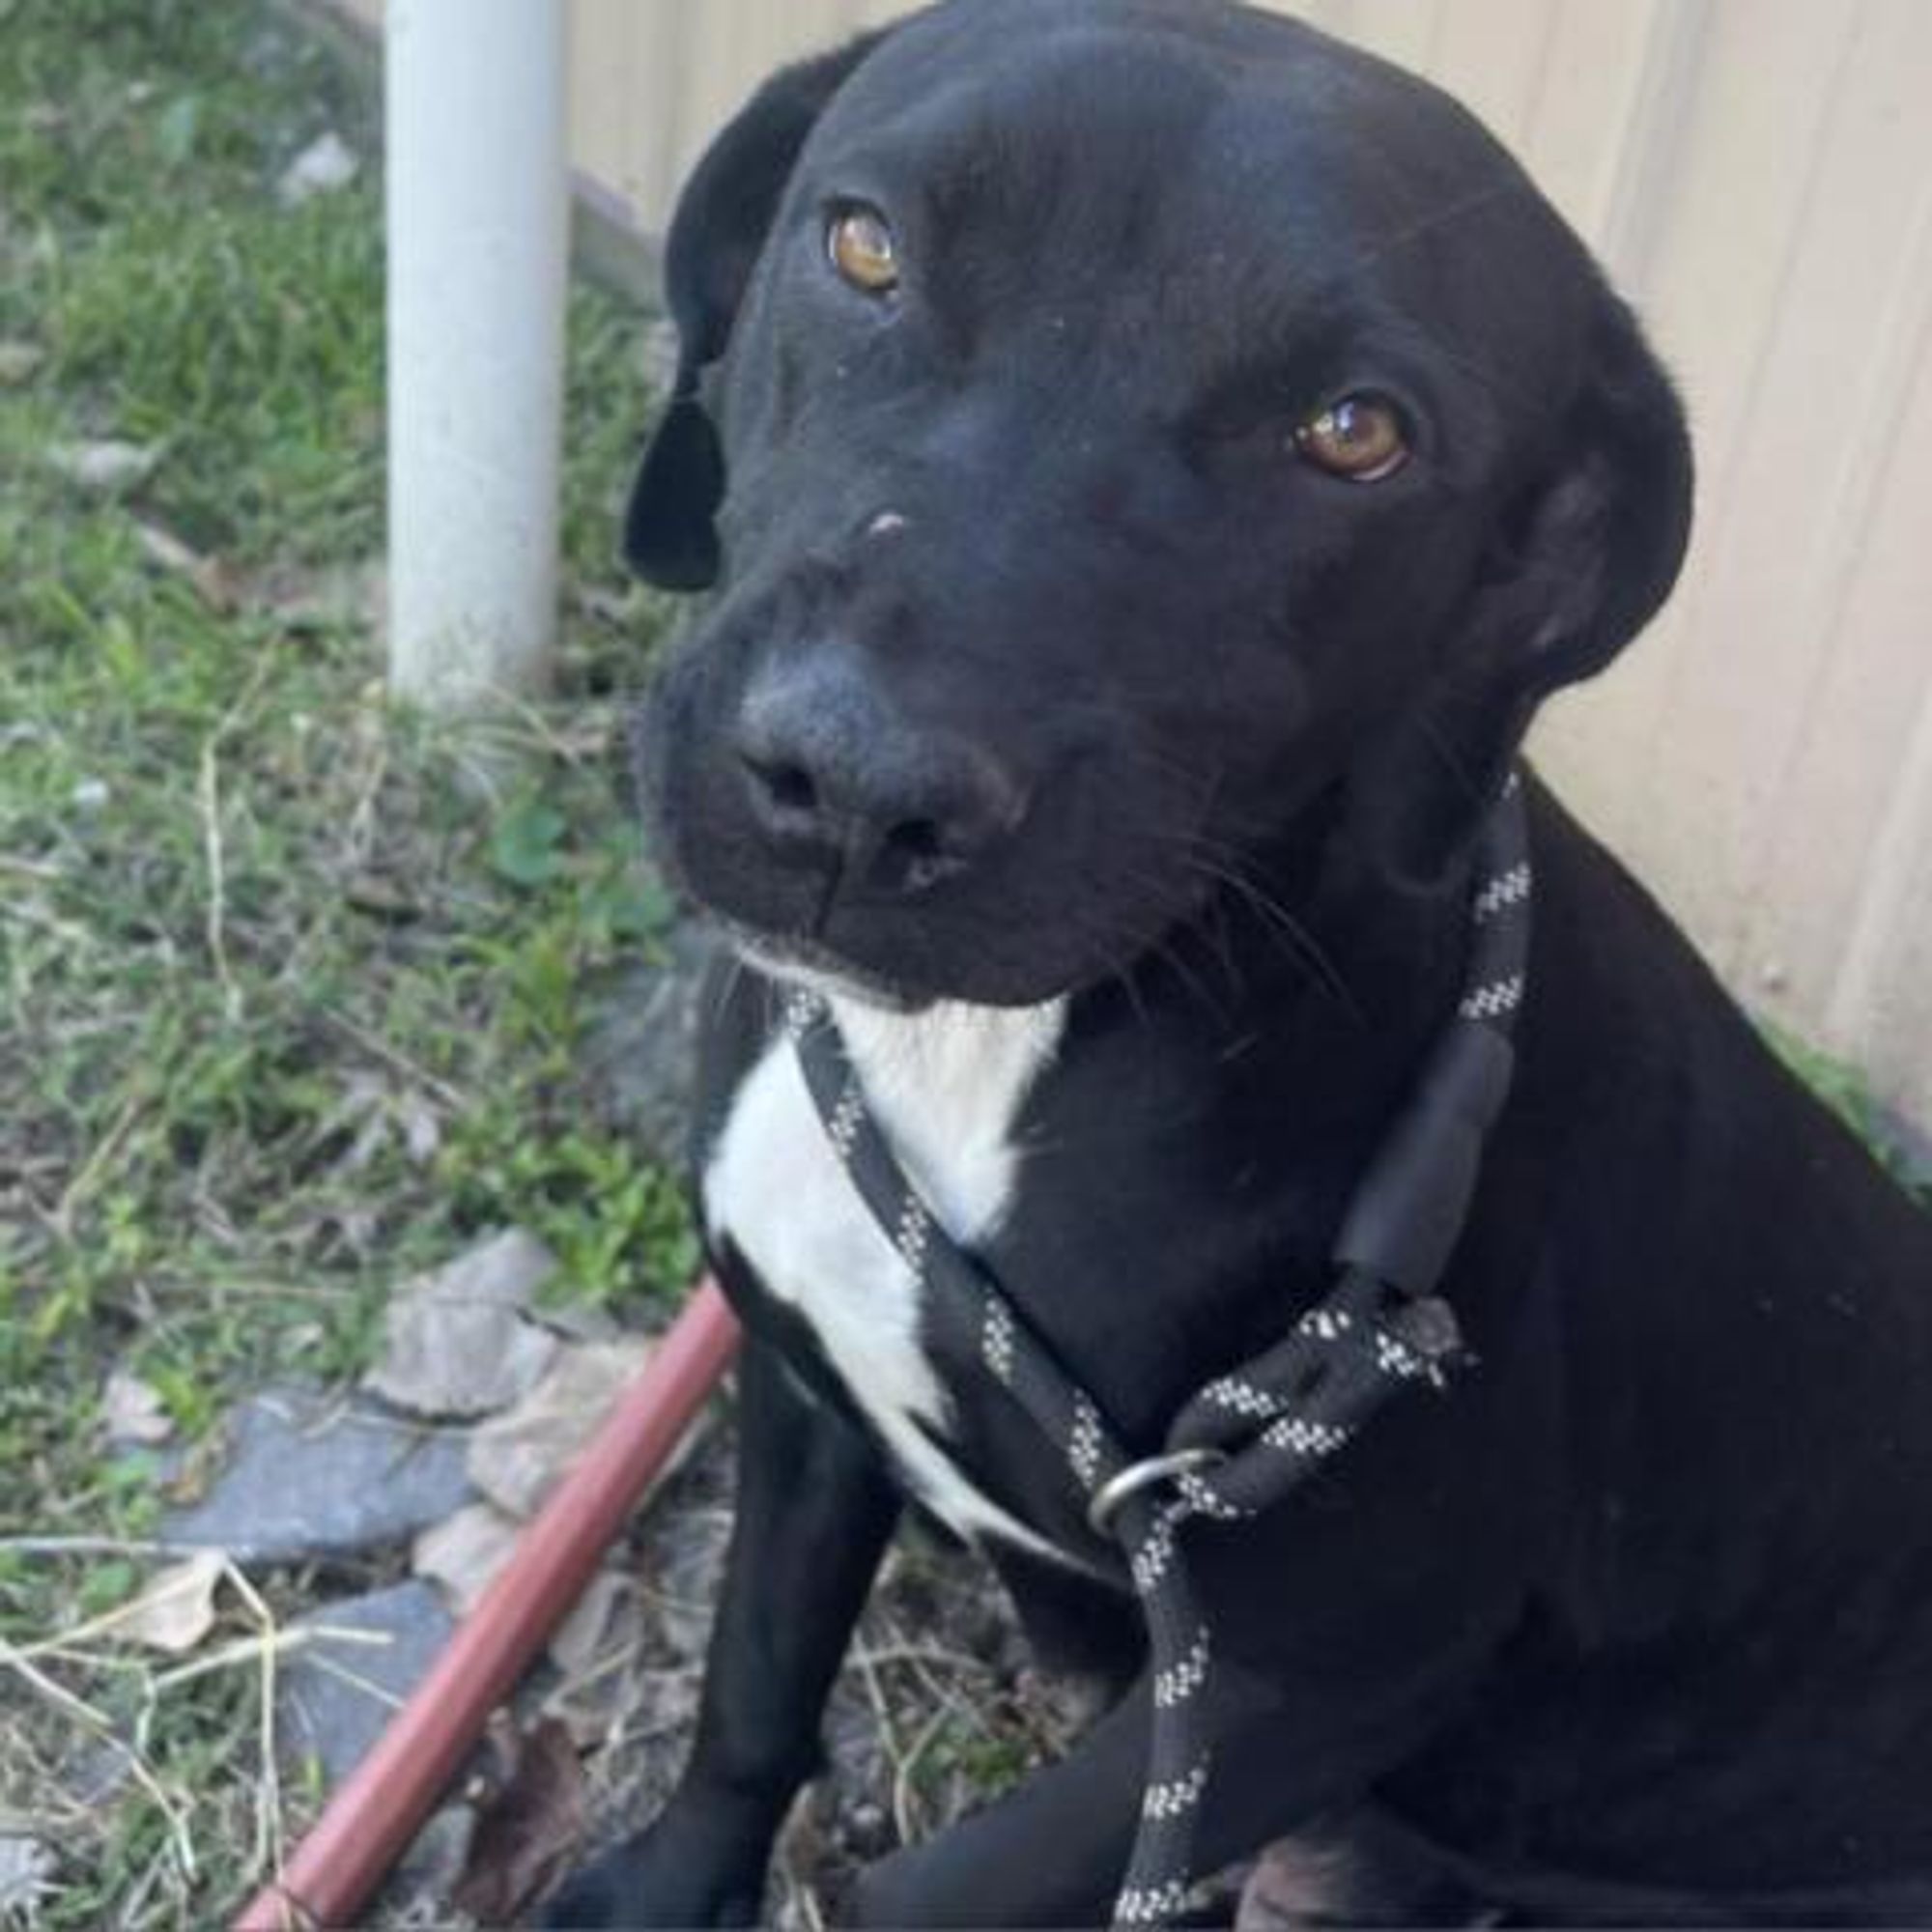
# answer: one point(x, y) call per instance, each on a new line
point(1142, 1475)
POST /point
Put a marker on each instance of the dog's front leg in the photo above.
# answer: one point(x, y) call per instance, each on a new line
point(1049, 1852)
point(1053, 1852)
point(814, 1511)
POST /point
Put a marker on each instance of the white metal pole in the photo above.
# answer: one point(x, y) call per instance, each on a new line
point(478, 228)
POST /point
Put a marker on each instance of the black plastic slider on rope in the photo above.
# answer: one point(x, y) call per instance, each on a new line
point(1251, 1438)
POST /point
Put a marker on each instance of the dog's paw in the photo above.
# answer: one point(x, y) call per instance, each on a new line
point(645, 1883)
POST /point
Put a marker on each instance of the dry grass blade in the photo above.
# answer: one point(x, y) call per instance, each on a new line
point(82, 1712)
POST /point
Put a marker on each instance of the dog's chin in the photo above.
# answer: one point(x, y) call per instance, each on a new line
point(814, 969)
point(912, 958)
point(812, 966)
point(906, 957)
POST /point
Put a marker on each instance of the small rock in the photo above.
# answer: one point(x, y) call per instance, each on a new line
point(18, 361)
point(107, 467)
point(518, 1458)
point(131, 1411)
point(310, 1479)
point(457, 1342)
point(335, 1697)
point(328, 164)
point(26, 1872)
point(463, 1552)
point(95, 1775)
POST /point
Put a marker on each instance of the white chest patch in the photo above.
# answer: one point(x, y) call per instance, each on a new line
point(946, 1087)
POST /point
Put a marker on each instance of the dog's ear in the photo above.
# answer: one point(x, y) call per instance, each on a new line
point(1598, 539)
point(716, 234)
point(1588, 554)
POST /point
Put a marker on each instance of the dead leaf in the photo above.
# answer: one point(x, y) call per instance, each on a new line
point(527, 1831)
point(456, 1341)
point(177, 1609)
point(331, 596)
point(607, 1617)
point(462, 1553)
point(516, 1458)
point(132, 1410)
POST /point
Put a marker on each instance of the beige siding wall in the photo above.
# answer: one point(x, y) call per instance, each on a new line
point(1759, 175)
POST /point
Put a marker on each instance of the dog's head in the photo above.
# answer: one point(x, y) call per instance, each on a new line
point(1111, 426)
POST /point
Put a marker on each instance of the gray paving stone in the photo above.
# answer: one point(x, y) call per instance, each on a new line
point(309, 1478)
point(454, 1341)
point(335, 1698)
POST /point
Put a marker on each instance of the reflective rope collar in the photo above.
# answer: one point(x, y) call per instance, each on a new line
point(1252, 1437)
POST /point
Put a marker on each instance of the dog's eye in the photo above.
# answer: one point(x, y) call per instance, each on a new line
point(859, 241)
point(1360, 438)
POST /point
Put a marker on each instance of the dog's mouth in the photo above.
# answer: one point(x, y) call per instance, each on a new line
point(813, 968)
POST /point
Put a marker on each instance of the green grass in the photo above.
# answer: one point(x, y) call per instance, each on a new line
point(1848, 1093)
point(290, 1001)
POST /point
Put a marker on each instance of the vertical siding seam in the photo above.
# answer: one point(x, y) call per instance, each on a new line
point(1677, 43)
point(1849, 1009)
point(1538, 74)
point(1902, 348)
point(1432, 46)
point(1720, 495)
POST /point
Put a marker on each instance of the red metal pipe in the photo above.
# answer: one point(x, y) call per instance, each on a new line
point(372, 1818)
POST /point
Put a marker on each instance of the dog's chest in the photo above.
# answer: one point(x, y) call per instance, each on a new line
point(946, 1087)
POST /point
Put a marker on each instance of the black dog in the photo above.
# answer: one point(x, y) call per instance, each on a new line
point(1154, 461)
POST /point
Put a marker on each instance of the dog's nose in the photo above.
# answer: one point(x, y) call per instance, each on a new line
point(838, 776)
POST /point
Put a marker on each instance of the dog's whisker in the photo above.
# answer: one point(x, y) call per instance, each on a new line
point(1297, 943)
point(1224, 864)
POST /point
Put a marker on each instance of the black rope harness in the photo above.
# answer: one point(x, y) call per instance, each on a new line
point(1250, 1438)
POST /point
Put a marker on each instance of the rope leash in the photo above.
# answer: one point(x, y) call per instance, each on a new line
point(1249, 1438)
